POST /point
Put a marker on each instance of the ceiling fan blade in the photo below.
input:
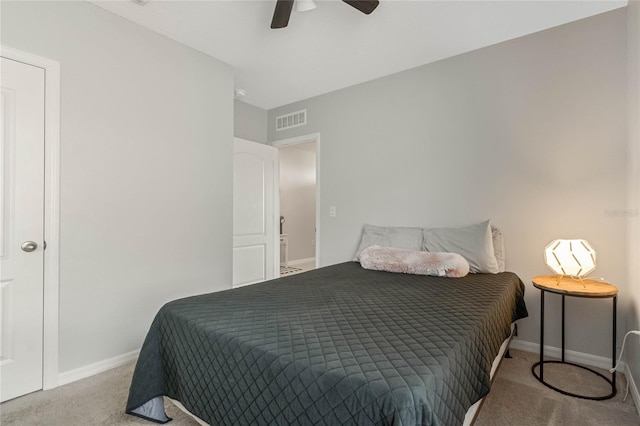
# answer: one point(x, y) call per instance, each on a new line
point(364, 6)
point(282, 13)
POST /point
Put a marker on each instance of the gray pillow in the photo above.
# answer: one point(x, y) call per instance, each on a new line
point(474, 243)
point(498, 248)
point(396, 237)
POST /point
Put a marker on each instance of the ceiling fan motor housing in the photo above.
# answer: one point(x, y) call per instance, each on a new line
point(283, 9)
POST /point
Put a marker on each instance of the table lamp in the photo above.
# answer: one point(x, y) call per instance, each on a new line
point(572, 258)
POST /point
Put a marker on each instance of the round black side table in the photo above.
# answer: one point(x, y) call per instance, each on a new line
point(566, 286)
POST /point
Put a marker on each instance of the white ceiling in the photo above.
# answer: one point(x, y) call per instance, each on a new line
point(336, 46)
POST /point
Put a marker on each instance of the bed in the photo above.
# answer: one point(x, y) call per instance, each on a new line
point(337, 345)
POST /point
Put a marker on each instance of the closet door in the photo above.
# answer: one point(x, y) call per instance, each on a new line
point(21, 228)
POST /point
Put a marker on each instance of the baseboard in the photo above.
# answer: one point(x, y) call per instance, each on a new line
point(572, 356)
point(633, 387)
point(95, 368)
point(300, 261)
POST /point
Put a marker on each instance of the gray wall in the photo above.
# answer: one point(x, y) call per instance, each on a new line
point(146, 161)
point(298, 198)
point(249, 122)
point(633, 320)
point(530, 133)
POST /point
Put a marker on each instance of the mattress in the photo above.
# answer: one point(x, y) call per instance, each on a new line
point(337, 345)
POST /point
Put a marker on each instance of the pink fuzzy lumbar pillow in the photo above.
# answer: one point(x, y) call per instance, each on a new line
point(391, 259)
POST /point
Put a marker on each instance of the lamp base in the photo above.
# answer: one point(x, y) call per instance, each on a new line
point(578, 278)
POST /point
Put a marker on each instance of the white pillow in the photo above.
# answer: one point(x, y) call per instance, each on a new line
point(403, 238)
point(474, 243)
point(391, 259)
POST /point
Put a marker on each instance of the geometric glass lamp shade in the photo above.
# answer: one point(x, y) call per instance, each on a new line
point(575, 258)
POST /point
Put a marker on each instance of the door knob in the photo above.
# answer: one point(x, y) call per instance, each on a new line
point(29, 246)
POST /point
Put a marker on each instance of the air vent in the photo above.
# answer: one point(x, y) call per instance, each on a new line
point(295, 119)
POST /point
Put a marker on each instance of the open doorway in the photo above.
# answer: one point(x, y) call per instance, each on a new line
point(298, 159)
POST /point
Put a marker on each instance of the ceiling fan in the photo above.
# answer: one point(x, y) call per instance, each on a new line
point(283, 9)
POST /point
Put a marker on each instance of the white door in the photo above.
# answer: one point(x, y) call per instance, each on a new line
point(254, 213)
point(22, 228)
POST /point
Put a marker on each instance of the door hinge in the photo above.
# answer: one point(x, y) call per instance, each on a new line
point(44, 245)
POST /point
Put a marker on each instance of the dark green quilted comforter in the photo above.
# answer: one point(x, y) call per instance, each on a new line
point(338, 345)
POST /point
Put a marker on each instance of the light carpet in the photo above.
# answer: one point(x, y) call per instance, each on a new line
point(516, 399)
